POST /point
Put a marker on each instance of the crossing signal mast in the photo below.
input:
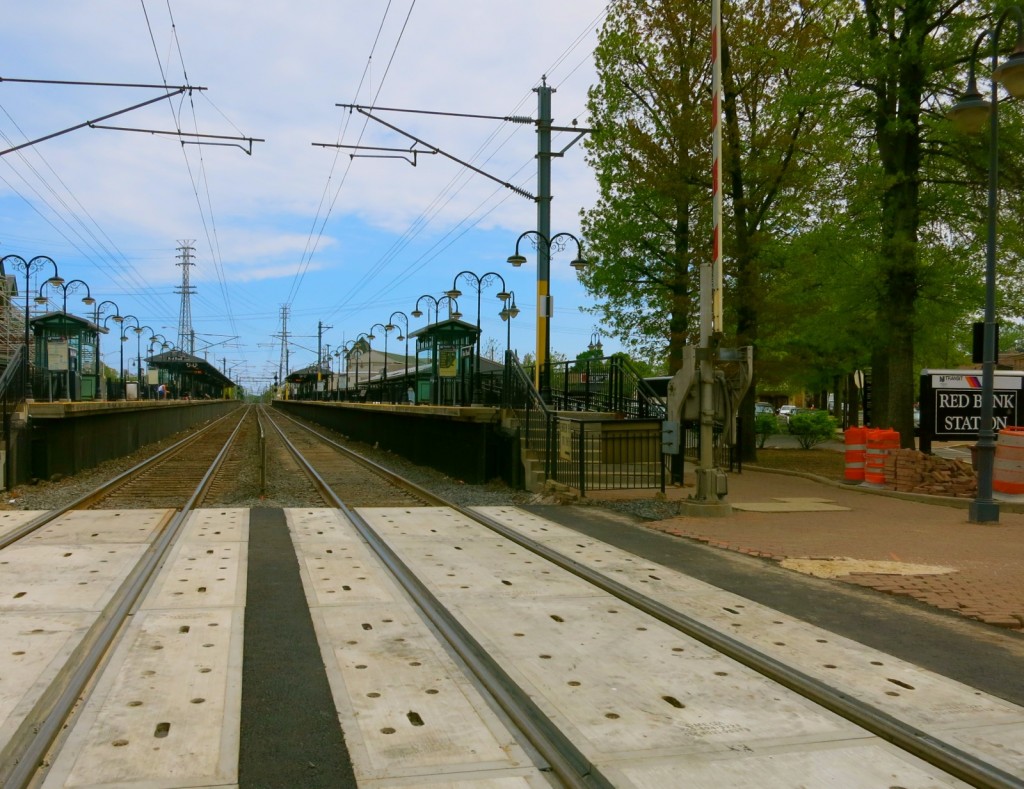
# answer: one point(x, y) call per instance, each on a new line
point(186, 335)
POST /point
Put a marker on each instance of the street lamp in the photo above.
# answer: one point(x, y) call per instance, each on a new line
point(508, 312)
point(88, 300)
point(99, 357)
point(363, 341)
point(595, 342)
point(969, 115)
point(138, 354)
point(119, 320)
point(404, 335)
point(349, 348)
point(30, 267)
point(545, 305)
point(416, 313)
point(371, 337)
point(124, 339)
point(480, 282)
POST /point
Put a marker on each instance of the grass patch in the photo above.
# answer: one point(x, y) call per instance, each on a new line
point(824, 462)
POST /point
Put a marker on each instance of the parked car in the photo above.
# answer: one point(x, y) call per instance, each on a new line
point(785, 412)
point(763, 408)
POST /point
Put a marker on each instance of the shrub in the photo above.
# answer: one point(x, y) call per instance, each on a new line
point(765, 425)
point(812, 427)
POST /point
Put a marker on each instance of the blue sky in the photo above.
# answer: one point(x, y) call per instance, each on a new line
point(337, 240)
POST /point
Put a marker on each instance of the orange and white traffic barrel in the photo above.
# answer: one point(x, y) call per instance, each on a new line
point(880, 442)
point(856, 439)
point(1008, 466)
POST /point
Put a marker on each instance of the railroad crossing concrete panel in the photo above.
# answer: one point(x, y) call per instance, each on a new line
point(206, 568)
point(87, 527)
point(12, 519)
point(627, 700)
point(34, 645)
point(853, 766)
point(410, 716)
point(220, 525)
point(201, 575)
point(165, 712)
point(64, 577)
point(973, 720)
point(441, 541)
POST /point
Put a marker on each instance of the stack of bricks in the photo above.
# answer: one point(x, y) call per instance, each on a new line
point(911, 471)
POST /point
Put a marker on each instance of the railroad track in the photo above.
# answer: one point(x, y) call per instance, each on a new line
point(549, 660)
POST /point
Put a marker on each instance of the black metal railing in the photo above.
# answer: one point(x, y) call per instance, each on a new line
point(608, 454)
point(533, 418)
point(12, 394)
point(611, 384)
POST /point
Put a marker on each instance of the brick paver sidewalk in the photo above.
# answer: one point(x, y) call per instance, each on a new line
point(975, 570)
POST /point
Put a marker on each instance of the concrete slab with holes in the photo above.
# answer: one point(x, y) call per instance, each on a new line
point(641, 700)
point(972, 720)
point(53, 585)
point(165, 711)
point(410, 716)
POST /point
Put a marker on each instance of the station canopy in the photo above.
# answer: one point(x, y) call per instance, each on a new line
point(189, 367)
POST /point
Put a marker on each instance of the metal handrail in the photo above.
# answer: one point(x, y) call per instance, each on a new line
point(534, 418)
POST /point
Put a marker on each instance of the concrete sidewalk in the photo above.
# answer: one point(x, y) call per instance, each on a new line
point(897, 544)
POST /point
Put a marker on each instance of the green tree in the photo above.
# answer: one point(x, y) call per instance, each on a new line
point(906, 61)
point(651, 154)
point(651, 227)
point(775, 103)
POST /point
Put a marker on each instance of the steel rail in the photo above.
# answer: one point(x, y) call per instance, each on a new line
point(24, 753)
point(50, 515)
point(563, 758)
point(948, 758)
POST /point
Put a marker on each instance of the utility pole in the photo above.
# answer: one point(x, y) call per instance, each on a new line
point(545, 127)
point(320, 328)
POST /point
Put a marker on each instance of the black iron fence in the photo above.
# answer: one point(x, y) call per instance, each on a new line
point(722, 451)
point(608, 454)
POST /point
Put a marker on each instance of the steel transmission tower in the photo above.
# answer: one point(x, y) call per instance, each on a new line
point(282, 369)
point(186, 336)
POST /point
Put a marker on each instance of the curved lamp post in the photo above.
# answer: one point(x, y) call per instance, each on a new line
point(87, 299)
point(371, 337)
point(969, 115)
point(545, 306)
point(508, 312)
point(124, 339)
point(138, 355)
point(99, 357)
point(30, 267)
point(348, 349)
point(480, 282)
point(595, 342)
point(453, 308)
point(363, 341)
point(403, 335)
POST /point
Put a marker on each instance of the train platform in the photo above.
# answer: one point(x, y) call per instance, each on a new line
point(920, 547)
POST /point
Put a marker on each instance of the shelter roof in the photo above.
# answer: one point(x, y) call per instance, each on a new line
point(178, 361)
